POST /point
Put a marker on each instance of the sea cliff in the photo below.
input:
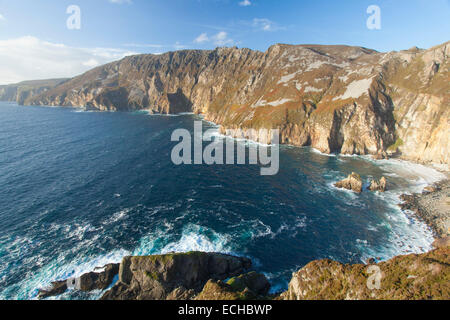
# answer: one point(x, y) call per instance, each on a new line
point(337, 99)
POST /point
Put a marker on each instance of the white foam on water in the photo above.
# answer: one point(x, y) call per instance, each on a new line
point(59, 269)
point(419, 175)
point(322, 153)
point(193, 238)
point(117, 216)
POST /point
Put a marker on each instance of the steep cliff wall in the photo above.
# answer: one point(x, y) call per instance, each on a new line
point(343, 99)
point(22, 92)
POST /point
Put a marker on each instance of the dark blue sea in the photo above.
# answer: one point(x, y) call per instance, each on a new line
point(82, 189)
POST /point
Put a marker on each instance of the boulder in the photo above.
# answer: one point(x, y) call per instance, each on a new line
point(57, 288)
point(98, 280)
point(380, 186)
point(171, 276)
point(353, 182)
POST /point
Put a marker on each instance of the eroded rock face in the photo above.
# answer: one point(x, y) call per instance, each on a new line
point(380, 186)
point(172, 276)
point(96, 280)
point(352, 182)
point(349, 100)
point(411, 277)
point(244, 287)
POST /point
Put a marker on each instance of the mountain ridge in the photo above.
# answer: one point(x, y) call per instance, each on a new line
point(337, 98)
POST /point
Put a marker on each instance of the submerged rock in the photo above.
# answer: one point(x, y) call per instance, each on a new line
point(378, 185)
point(353, 182)
point(172, 276)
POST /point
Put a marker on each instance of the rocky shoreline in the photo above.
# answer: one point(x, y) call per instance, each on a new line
point(216, 276)
point(432, 206)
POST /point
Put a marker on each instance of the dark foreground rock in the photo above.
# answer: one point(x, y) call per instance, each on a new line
point(200, 276)
point(96, 280)
point(352, 182)
point(411, 277)
point(57, 288)
point(172, 276)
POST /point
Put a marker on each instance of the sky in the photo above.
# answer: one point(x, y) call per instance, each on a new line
point(42, 39)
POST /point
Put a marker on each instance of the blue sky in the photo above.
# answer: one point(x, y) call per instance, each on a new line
point(33, 33)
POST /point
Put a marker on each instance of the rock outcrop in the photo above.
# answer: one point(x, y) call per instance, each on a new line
point(200, 276)
point(411, 277)
point(172, 276)
point(96, 280)
point(380, 186)
point(341, 99)
point(352, 182)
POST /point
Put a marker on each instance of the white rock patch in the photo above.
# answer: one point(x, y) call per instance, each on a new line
point(356, 89)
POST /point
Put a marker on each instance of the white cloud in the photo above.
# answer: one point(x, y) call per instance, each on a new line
point(264, 24)
point(202, 38)
point(221, 39)
point(245, 3)
point(29, 58)
point(2, 18)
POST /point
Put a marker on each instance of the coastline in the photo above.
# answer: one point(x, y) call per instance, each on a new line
point(431, 206)
point(367, 158)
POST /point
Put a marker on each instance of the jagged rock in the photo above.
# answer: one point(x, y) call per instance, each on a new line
point(244, 287)
point(352, 182)
point(57, 288)
point(169, 276)
point(371, 261)
point(87, 282)
point(378, 185)
point(410, 277)
point(99, 280)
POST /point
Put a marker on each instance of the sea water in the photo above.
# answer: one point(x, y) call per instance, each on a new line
point(79, 190)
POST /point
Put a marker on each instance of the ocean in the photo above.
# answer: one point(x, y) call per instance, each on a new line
point(81, 189)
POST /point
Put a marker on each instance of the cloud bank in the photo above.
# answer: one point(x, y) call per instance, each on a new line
point(29, 58)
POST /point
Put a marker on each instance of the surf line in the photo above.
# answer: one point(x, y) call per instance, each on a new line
point(266, 153)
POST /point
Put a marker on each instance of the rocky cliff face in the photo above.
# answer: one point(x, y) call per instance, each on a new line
point(200, 276)
point(22, 92)
point(411, 277)
point(343, 99)
point(172, 276)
